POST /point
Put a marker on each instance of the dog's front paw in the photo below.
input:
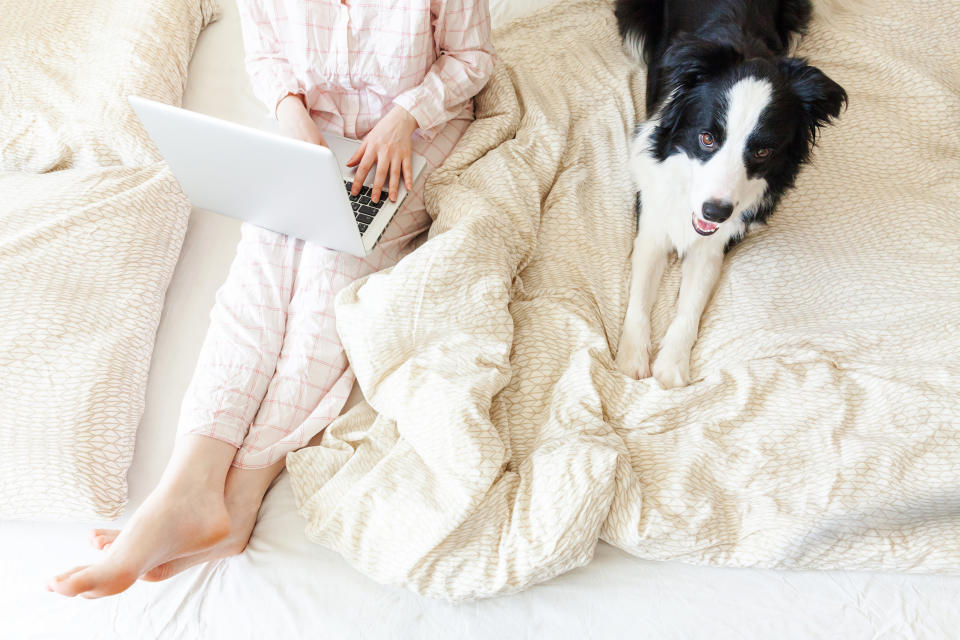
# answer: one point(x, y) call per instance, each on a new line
point(633, 357)
point(672, 369)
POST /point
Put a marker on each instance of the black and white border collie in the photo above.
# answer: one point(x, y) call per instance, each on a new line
point(731, 119)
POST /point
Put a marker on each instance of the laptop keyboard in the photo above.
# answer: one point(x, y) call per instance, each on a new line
point(364, 209)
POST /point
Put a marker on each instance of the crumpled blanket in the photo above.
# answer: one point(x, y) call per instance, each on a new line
point(821, 427)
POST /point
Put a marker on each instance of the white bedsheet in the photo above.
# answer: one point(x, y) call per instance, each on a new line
point(285, 586)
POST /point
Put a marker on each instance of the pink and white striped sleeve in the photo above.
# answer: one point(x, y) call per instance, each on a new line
point(271, 73)
point(465, 62)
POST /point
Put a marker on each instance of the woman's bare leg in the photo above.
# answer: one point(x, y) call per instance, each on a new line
point(243, 496)
point(186, 513)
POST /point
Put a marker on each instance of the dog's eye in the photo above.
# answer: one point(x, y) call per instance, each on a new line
point(707, 141)
point(762, 154)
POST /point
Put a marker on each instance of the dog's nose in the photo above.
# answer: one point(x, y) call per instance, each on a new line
point(717, 210)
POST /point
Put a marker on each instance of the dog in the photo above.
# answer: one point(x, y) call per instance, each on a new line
point(731, 119)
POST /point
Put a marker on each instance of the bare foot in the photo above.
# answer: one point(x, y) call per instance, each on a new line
point(243, 517)
point(176, 519)
point(184, 514)
point(244, 494)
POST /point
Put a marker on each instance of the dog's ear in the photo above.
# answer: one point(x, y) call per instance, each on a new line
point(689, 59)
point(822, 98)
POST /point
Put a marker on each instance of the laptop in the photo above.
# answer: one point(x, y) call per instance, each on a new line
point(264, 178)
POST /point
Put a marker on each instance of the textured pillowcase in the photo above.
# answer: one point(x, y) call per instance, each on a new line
point(85, 259)
point(67, 68)
point(86, 251)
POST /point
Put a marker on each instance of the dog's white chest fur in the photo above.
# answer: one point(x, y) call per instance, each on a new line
point(665, 193)
point(673, 191)
point(733, 120)
point(673, 194)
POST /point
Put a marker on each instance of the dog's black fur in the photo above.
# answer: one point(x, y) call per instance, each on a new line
point(730, 120)
point(696, 49)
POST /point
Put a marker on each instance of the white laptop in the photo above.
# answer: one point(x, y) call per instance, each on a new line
point(285, 185)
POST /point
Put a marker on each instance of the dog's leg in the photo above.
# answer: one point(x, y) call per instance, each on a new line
point(701, 269)
point(648, 261)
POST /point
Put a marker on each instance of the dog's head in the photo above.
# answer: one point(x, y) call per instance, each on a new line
point(746, 126)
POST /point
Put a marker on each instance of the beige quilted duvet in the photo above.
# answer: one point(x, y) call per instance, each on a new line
point(822, 428)
point(90, 230)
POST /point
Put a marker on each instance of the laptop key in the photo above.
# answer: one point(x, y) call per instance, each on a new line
point(370, 211)
point(362, 227)
point(364, 218)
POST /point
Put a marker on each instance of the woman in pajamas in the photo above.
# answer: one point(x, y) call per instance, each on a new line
point(398, 74)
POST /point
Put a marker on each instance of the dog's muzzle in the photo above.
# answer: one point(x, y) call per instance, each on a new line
point(717, 210)
point(712, 215)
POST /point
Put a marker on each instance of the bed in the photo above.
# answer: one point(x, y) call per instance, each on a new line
point(283, 585)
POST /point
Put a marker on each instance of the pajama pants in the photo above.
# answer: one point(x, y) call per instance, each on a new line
point(272, 372)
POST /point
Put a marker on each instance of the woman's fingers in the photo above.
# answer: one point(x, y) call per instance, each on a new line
point(358, 154)
point(408, 171)
point(393, 164)
point(395, 171)
point(369, 159)
point(383, 166)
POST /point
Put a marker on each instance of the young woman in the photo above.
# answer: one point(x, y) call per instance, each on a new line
point(398, 74)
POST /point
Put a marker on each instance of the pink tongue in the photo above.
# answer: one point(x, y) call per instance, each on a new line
point(706, 226)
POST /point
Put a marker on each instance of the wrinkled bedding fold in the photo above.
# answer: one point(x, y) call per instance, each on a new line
point(821, 429)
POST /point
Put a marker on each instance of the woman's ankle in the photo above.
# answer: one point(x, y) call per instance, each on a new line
point(245, 488)
point(200, 462)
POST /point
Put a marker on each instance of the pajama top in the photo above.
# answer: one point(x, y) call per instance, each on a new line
point(352, 60)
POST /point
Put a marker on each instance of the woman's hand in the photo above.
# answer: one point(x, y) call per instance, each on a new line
point(295, 120)
point(389, 145)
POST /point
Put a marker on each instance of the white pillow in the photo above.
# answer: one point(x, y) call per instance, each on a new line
point(503, 11)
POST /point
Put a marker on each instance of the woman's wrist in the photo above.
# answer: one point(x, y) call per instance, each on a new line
point(406, 118)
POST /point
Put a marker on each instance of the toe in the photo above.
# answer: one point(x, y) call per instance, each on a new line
point(94, 581)
point(66, 583)
point(102, 538)
point(107, 580)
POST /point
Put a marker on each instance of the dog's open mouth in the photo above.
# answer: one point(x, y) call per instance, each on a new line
point(704, 227)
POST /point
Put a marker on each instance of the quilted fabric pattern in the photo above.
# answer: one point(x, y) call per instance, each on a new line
point(85, 258)
point(820, 430)
point(86, 251)
point(67, 68)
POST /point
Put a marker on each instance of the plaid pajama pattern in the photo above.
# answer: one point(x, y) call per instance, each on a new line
point(353, 61)
point(272, 372)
